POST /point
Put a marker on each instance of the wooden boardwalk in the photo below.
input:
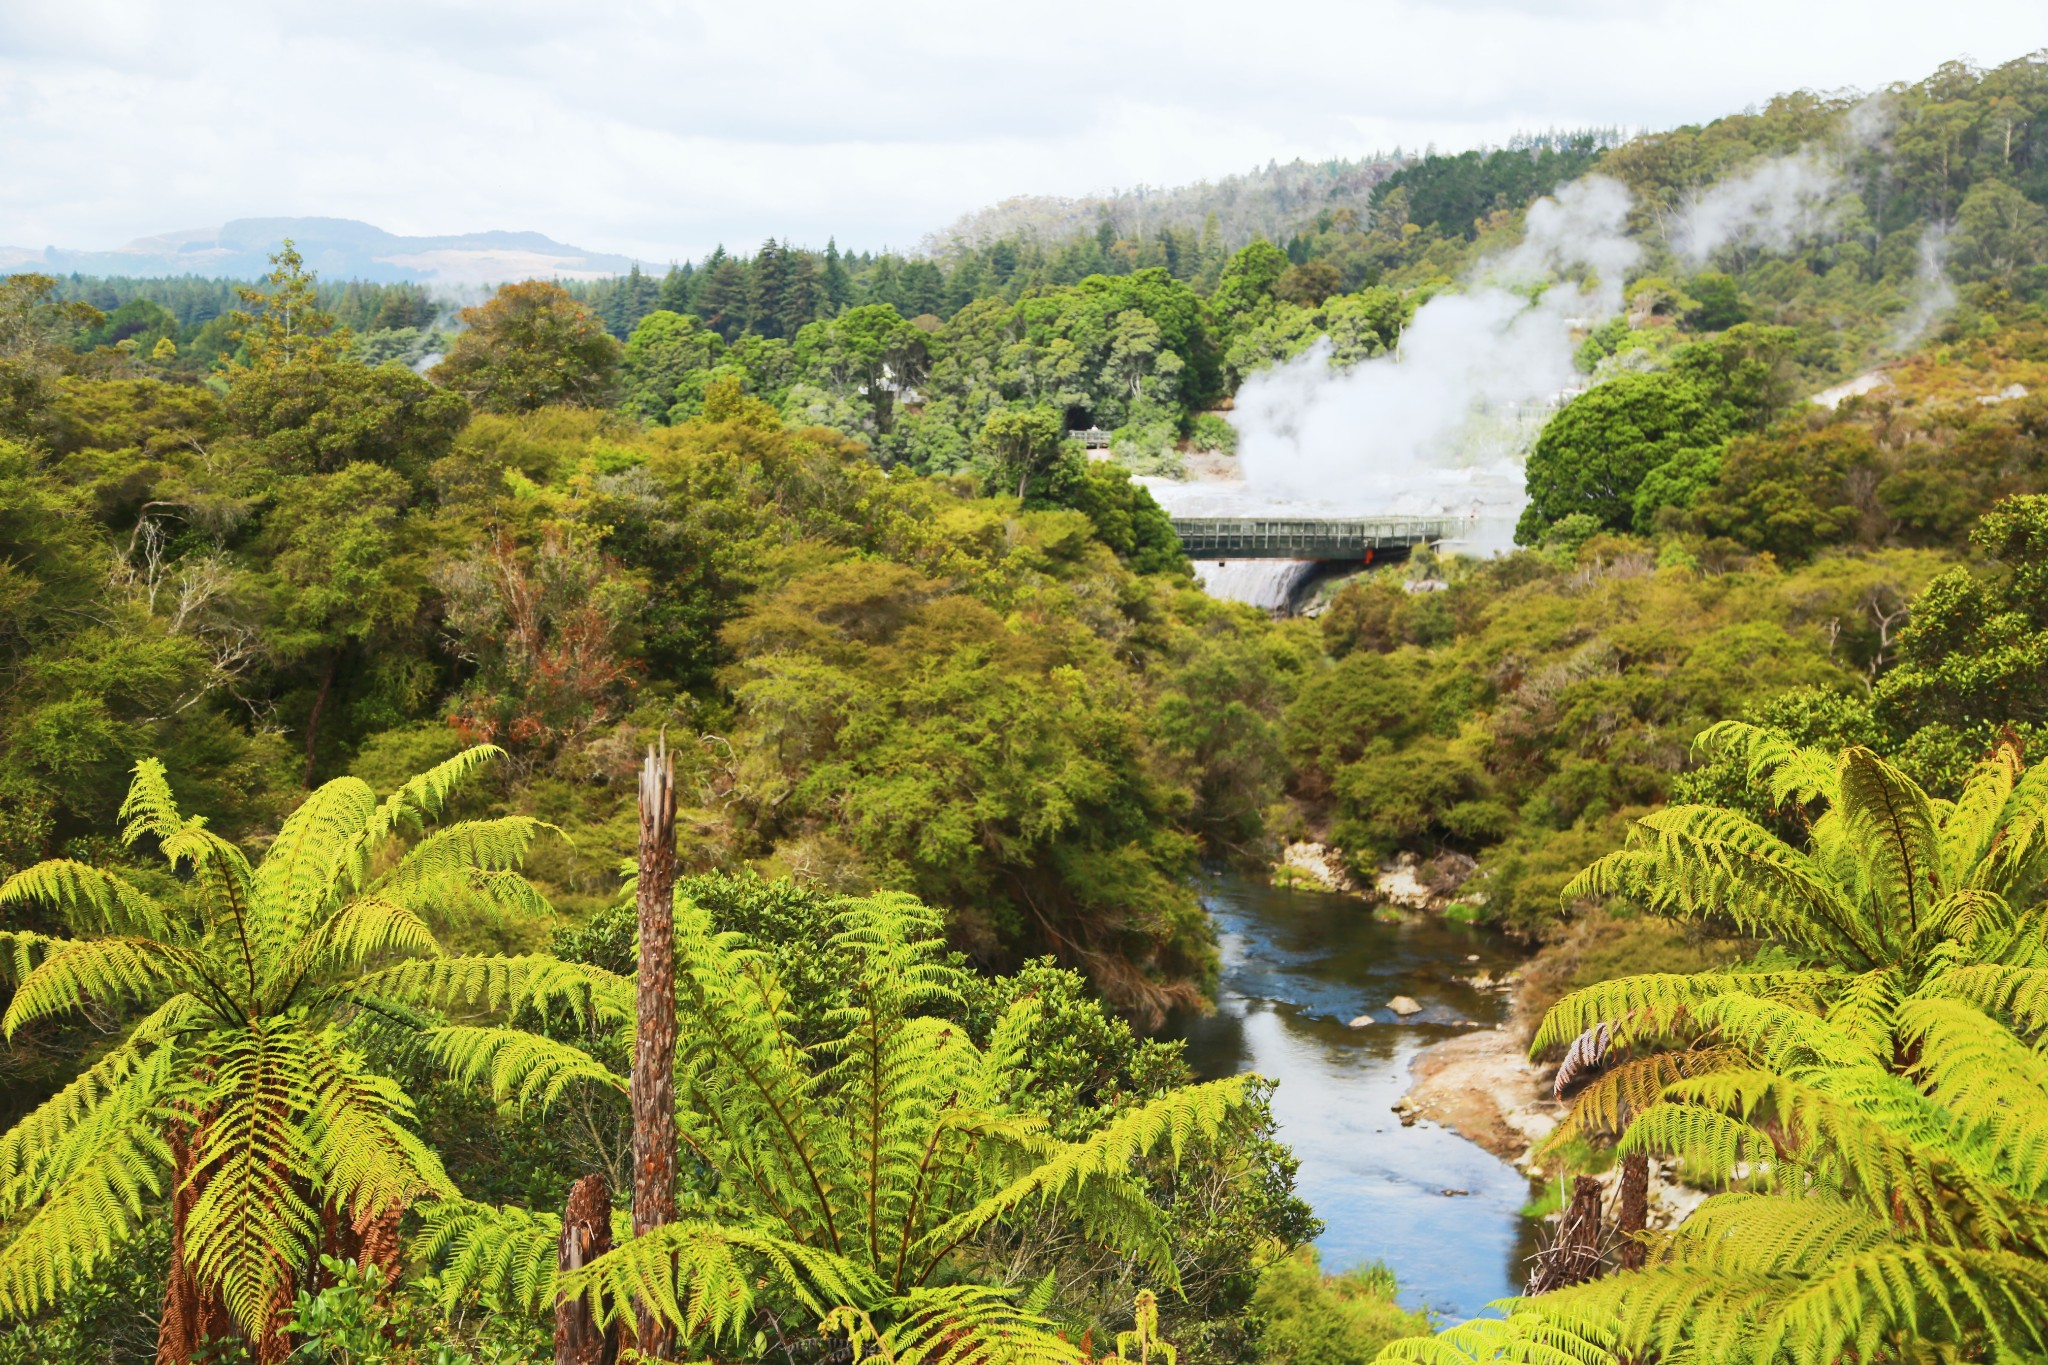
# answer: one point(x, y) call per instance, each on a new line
point(1345, 538)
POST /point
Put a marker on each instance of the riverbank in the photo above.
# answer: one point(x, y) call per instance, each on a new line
point(1484, 1088)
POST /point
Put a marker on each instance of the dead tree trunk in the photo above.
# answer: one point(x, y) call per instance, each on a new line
point(1634, 1213)
point(1574, 1257)
point(654, 1045)
point(580, 1338)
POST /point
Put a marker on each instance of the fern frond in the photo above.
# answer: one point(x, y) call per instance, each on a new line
point(107, 970)
point(754, 1098)
point(22, 950)
point(1524, 1337)
point(1889, 821)
point(1971, 824)
point(1173, 1120)
point(504, 1256)
point(473, 864)
point(501, 985)
point(250, 1226)
point(1693, 862)
point(1606, 1106)
point(1791, 772)
point(521, 1068)
point(422, 798)
point(2022, 834)
point(367, 927)
point(701, 1278)
point(967, 1325)
point(2017, 995)
point(1995, 1086)
point(90, 900)
point(1654, 1005)
point(314, 861)
point(368, 1159)
point(149, 807)
point(80, 1219)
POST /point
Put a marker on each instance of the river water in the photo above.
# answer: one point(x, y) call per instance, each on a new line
point(1297, 966)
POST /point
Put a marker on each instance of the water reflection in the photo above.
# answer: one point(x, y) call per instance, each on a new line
point(1297, 966)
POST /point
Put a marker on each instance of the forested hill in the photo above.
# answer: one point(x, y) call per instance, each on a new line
point(335, 624)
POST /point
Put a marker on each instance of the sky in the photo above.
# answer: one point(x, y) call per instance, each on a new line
point(660, 128)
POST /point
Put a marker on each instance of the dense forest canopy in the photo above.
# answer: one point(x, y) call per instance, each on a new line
point(942, 690)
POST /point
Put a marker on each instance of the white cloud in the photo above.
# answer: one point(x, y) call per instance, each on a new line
point(659, 127)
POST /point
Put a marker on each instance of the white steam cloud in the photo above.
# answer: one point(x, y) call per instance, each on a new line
point(1776, 205)
point(1440, 425)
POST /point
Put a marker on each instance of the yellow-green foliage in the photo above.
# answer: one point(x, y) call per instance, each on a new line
point(1870, 1093)
point(852, 1178)
point(1310, 1318)
point(1538, 697)
point(246, 986)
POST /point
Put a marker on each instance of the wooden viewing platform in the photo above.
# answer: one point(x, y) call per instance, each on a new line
point(1344, 538)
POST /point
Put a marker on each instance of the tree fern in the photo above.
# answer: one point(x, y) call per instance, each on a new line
point(1876, 1107)
point(847, 1177)
point(243, 990)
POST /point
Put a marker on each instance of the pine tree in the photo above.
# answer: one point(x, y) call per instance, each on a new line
point(286, 326)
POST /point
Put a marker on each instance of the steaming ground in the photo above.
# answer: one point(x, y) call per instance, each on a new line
point(1441, 426)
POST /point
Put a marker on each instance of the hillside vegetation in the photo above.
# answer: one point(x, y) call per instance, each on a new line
point(327, 673)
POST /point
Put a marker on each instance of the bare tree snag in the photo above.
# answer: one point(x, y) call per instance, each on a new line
point(1633, 1215)
point(580, 1338)
point(654, 1045)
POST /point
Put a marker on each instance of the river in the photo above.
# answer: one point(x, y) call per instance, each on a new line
point(1297, 966)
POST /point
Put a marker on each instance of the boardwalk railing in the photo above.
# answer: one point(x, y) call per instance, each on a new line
point(1309, 538)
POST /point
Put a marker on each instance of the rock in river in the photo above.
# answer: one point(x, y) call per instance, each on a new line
point(1404, 1005)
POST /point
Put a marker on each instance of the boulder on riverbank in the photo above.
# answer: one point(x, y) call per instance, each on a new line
point(1316, 867)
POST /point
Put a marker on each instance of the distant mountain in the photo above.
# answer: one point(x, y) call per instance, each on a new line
point(338, 248)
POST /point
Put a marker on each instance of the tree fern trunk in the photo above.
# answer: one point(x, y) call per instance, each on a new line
point(586, 1235)
point(1634, 1213)
point(1574, 1257)
point(654, 1047)
point(191, 1316)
